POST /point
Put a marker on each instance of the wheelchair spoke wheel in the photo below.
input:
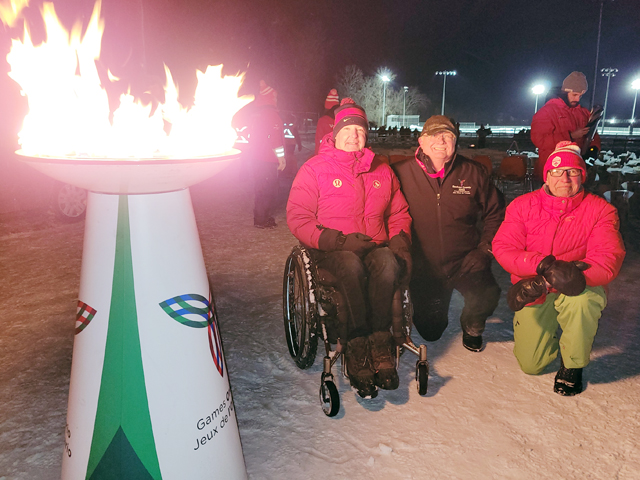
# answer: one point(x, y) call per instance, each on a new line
point(329, 398)
point(422, 377)
point(298, 312)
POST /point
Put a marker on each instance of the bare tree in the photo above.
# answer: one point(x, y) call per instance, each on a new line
point(368, 92)
point(350, 81)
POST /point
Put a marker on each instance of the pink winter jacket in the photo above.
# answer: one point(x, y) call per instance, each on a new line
point(583, 227)
point(347, 191)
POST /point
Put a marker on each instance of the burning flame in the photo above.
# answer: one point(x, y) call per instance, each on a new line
point(10, 11)
point(69, 112)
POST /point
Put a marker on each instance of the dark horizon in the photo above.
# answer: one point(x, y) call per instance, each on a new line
point(499, 49)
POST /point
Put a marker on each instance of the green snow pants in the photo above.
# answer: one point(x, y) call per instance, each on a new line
point(535, 330)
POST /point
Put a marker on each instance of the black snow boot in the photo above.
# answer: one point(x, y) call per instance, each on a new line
point(568, 381)
point(359, 368)
point(472, 343)
point(383, 356)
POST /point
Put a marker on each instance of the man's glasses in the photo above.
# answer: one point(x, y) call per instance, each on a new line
point(572, 172)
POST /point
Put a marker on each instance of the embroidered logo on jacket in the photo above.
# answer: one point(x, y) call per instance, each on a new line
point(337, 183)
point(461, 189)
point(376, 184)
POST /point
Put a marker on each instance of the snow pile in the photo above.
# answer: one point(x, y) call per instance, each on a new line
point(482, 417)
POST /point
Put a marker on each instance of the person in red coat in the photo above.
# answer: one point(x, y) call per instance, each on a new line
point(561, 246)
point(346, 205)
point(562, 119)
point(327, 120)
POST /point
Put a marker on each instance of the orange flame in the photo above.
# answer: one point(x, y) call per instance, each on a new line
point(10, 10)
point(69, 108)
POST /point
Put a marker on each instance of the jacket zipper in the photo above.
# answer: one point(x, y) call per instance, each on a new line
point(439, 214)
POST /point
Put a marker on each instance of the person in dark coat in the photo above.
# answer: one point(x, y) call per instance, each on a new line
point(292, 139)
point(482, 133)
point(266, 147)
point(456, 211)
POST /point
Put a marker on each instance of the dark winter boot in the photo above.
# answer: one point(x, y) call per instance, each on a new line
point(568, 381)
point(359, 368)
point(383, 357)
point(472, 343)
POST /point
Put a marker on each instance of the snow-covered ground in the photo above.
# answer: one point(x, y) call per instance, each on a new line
point(482, 417)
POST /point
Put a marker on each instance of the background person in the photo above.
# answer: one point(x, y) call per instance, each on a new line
point(482, 133)
point(562, 119)
point(346, 205)
point(292, 139)
point(327, 120)
point(266, 149)
point(447, 194)
point(561, 246)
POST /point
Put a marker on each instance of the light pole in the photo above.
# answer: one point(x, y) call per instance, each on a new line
point(636, 86)
point(384, 79)
point(537, 91)
point(404, 106)
point(607, 72)
point(445, 74)
point(595, 71)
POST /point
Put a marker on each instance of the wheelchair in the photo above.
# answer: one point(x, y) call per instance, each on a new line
point(309, 304)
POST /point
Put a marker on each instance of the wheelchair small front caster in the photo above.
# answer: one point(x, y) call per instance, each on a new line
point(422, 376)
point(329, 397)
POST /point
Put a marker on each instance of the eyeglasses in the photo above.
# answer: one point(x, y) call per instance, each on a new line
point(572, 172)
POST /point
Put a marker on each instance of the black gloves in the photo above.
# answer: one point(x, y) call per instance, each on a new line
point(566, 277)
point(526, 291)
point(476, 260)
point(328, 241)
point(358, 243)
point(400, 245)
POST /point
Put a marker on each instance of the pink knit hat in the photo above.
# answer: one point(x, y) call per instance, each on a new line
point(332, 99)
point(566, 155)
point(348, 113)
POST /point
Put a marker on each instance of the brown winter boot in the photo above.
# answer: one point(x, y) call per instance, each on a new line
point(383, 356)
point(359, 367)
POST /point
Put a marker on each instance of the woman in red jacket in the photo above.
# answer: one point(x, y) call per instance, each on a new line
point(562, 247)
point(346, 205)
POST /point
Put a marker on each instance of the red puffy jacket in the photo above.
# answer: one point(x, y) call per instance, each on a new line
point(347, 191)
point(552, 124)
point(325, 125)
point(583, 227)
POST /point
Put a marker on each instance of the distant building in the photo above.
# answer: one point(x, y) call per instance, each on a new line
point(411, 121)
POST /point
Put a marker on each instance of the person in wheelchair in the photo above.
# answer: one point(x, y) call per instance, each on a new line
point(346, 206)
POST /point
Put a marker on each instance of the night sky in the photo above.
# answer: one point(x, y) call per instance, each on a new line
point(499, 48)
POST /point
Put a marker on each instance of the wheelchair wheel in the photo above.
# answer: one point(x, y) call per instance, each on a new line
point(422, 377)
point(299, 311)
point(329, 398)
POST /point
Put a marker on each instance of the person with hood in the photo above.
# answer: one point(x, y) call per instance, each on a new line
point(562, 119)
point(345, 205)
point(266, 148)
point(448, 194)
point(561, 246)
point(326, 121)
